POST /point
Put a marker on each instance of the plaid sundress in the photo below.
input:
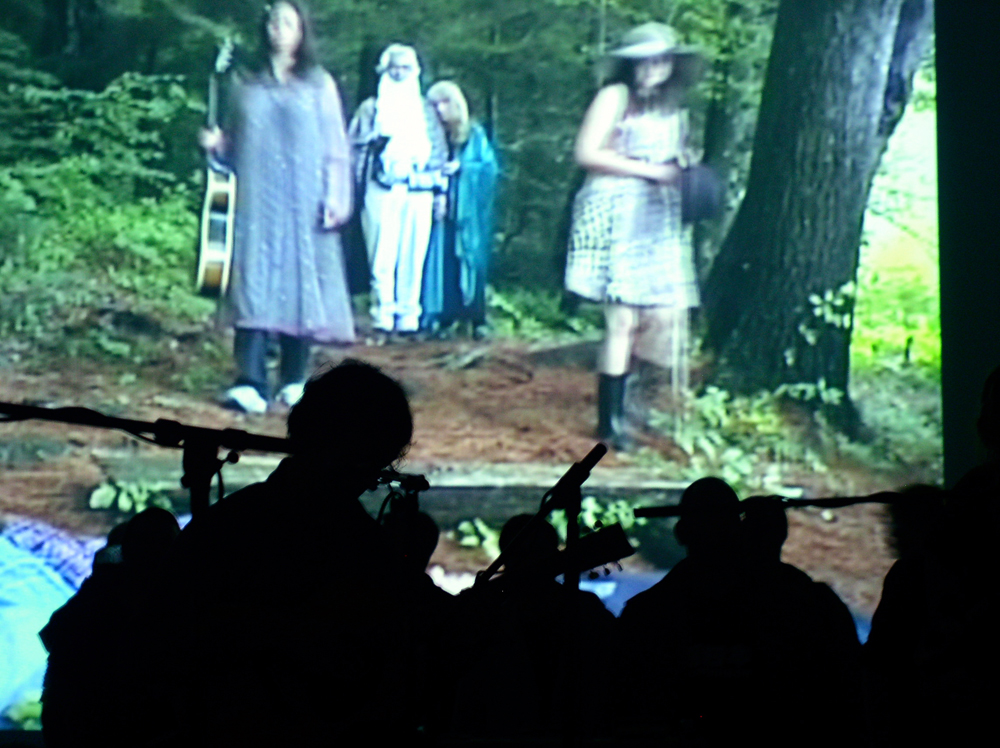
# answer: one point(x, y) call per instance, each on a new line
point(627, 244)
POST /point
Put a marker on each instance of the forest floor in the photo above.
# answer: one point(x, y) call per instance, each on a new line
point(501, 401)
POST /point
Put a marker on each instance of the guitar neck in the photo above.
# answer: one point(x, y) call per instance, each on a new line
point(213, 100)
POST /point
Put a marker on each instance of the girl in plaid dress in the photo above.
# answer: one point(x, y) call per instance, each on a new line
point(628, 247)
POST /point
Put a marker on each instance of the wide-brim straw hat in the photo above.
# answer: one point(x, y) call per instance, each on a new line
point(650, 39)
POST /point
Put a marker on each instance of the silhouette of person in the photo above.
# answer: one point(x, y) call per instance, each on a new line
point(692, 652)
point(985, 478)
point(803, 634)
point(901, 618)
point(414, 535)
point(111, 553)
point(295, 619)
point(523, 622)
point(82, 636)
point(933, 652)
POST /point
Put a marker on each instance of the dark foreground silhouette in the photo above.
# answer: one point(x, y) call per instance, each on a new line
point(286, 615)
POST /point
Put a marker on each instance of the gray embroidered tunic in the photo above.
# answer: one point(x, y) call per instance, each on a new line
point(288, 146)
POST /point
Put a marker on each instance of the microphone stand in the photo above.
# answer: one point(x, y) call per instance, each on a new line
point(882, 497)
point(200, 445)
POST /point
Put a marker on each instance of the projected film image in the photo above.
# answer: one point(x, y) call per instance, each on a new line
point(702, 232)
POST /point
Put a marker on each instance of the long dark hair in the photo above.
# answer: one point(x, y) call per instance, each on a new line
point(669, 94)
point(305, 56)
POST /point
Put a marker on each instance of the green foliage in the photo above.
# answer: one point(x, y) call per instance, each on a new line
point(137, 256)
point(111, 140)
point(132, 496)
point(537, 314)
point(595, 514)
point(896, 317)
point(88, 219)
point(761, 443)
point(749, 442)
point(27, 712)
point(475, 533)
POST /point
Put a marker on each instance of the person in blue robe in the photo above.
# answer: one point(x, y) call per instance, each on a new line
point(456, 270)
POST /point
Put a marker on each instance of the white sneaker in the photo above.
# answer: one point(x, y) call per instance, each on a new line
point(246, 398)
point(290, 394)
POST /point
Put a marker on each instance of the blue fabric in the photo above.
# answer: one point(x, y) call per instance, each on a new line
point(30, 590)
point(457, 265)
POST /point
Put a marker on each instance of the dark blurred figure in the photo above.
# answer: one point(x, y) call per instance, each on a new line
point(288, 616)
point(733, 644)
point(83, 636)
point(805, 643)
point(934, 653)
point(988, 424)
point(414, 535)
point(763, 529)
point(111, 553)
point(901, 621)
point(690, 648)
point(534, 634)
point(984, 480)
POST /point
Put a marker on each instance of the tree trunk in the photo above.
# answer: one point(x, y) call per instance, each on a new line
point(737, 78)
point(780, 297)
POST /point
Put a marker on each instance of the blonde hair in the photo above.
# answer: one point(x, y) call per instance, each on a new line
point(458, 131)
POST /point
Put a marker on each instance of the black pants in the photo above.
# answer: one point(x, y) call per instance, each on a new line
point(250, 351)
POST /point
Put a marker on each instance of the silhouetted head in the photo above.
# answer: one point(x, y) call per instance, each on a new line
point(111, 553)
point(351, 417)
point(414, 535)
point(764, 528)
point(709, 517)
point(988, 424)
point(148, 537)
point(117, 534)
point(537, 548)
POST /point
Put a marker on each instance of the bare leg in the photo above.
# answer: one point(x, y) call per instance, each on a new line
point(620, 322)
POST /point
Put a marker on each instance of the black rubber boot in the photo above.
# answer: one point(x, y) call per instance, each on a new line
point(611, 411)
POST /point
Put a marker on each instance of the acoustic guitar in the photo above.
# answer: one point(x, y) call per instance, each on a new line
point(215, 243)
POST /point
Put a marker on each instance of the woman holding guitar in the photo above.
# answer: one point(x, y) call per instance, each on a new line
point(285, 140)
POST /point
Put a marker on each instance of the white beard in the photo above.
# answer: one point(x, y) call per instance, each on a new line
point(399, 115)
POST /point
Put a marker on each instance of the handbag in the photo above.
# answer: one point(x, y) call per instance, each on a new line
point(701, 193)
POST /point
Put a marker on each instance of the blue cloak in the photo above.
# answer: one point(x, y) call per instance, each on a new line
point(458, 258)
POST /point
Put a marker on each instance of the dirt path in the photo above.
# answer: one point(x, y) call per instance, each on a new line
point(499, 402)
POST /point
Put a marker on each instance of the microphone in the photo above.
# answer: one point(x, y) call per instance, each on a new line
point(577, 475)
point(406, 481)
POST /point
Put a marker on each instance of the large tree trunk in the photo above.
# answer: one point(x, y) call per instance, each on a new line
point(780, 298)
point(736, 81)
